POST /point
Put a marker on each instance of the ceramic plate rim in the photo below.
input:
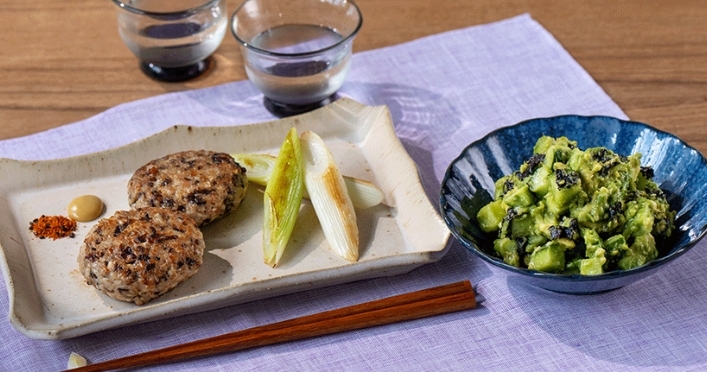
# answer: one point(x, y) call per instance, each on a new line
point(347, 116)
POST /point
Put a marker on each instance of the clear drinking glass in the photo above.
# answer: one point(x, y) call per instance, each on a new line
point(173, 39)
point(297, 52)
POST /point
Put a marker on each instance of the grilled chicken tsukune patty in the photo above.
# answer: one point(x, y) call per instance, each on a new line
point(138, 255)
point(203, 184)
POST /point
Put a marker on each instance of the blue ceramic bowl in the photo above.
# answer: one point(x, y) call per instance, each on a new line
point(680, 170)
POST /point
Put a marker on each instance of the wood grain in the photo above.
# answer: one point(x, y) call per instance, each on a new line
point(63, 61)
point(414, 305)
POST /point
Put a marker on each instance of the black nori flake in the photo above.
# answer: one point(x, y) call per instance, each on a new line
point(532, 164)
point(647, 172)
point(566, 178)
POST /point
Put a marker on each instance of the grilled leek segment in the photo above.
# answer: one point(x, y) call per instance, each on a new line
point(258, 166)
point(329, 197)
point(282, 198)
point(364, 194)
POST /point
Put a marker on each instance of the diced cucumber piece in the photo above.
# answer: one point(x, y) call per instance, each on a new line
point(508, 250)
point(490, 216)
point(519, 197)
point(548, 258)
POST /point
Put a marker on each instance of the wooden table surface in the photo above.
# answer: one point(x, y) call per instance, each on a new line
point(63, 61)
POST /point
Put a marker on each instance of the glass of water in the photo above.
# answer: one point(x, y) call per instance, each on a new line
point(173, 39)
point(297, 52)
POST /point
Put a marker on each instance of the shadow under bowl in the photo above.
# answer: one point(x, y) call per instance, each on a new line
point(680, 171)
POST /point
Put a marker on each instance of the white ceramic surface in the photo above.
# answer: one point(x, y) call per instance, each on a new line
point(49, 299)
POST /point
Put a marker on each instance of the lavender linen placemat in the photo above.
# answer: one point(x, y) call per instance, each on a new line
point(444, 91)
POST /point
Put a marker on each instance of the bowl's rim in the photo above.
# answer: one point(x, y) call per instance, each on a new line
point(676, 252)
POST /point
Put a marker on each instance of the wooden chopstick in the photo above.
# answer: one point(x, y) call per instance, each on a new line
point(414, 305)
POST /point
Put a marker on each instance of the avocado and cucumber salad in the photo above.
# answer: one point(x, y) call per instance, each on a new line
point(573, 211)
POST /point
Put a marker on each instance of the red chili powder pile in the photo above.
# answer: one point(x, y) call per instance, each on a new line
point(53, 227)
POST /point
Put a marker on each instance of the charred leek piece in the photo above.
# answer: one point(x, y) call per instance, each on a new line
point(258, 167)
point(363, 194)
point(283, 196)
point(329, 197)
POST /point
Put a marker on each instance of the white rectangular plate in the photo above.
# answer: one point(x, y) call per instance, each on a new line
point(49, 299)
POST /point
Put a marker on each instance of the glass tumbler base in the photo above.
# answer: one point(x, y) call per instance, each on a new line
point(175, 74)
point(282, 110)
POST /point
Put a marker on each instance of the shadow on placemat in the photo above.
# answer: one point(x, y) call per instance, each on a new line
point(621, 326)
point(457, 265)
